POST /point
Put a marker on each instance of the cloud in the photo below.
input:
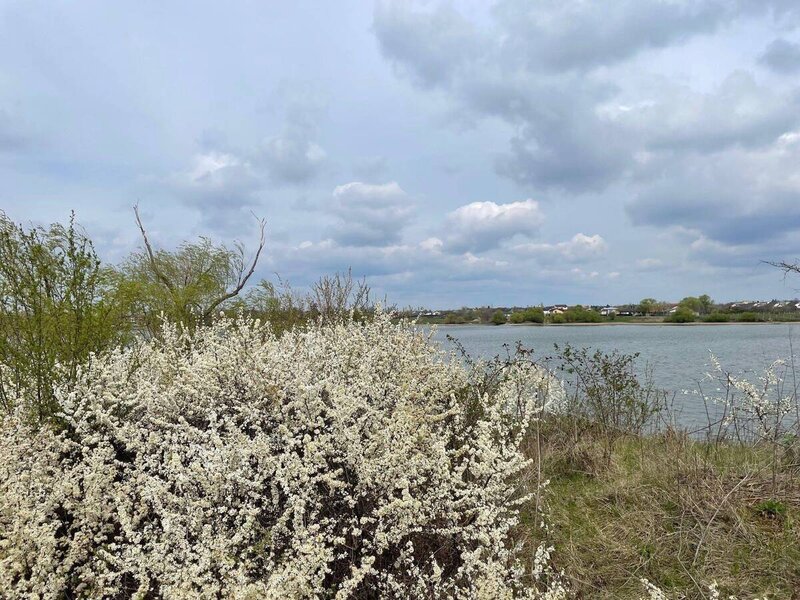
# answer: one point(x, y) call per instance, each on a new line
point(370, 214)
point(369, 168)
point(580, 248)
point(427, 45)
point(543, 69)
point(294, 156)
point(782, 56)
point(739, 112)
point(739, 196)
point(12, 138)
point(649, 264)
point(572, 34)
point(481, 226)
point(219, 185)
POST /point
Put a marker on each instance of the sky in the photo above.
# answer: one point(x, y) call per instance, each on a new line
point(453, 153)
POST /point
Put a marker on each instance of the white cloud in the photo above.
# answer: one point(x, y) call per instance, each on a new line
point(580, 247)
point(482, 226)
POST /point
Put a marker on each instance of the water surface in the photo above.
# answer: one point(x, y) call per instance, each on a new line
point(678, 355)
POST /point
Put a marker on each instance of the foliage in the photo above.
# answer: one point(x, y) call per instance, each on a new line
point(706, 304)
point(717, 317)
point(338, 296)
point(648, 306)
point(749, 317)
point(606, 392)
point(452, 318)
point(279, 305)
point(683, 314)
point(691, 303)
point(498, 317)
point(579, 314)
point(529, 315)
point(344, 460)
point(189, 285)
point(55, 310)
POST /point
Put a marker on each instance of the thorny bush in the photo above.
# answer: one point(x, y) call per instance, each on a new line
point(340, 461)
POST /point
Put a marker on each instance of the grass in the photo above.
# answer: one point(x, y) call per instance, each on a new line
point(678, 512)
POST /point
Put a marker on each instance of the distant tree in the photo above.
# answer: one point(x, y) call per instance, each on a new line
point(648, 305)
point(691, 303)
point(453, 318)
point(498, 318)
point(529, 315)
point(706, 304)
point(534, 315)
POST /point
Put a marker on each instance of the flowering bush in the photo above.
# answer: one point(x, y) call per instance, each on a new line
point(341, 461)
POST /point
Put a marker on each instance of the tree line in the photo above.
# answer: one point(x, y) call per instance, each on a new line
point(60, 303)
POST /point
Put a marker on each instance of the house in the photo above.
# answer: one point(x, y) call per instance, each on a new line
point(607, 311)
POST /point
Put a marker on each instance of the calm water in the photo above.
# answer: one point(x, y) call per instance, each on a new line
point(678, 355)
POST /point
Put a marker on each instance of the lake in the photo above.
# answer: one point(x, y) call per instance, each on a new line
point(679, 355)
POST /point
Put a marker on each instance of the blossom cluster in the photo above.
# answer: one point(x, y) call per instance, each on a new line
point(341, 461)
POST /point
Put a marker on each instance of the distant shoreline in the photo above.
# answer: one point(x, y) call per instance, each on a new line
point(618, 323)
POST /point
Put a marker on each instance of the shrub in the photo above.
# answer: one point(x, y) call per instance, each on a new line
point(749, 317)
point(498, 318)
point(682, 315)
point(344, 460)
point(56, 308)
point(578, 314)
point(717, 317)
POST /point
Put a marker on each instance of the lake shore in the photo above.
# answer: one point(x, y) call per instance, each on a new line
point(615, 323)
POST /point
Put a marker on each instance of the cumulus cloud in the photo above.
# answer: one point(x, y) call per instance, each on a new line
point(370, 214)
point(782, 56)
point(580, 248)
point(481, 226)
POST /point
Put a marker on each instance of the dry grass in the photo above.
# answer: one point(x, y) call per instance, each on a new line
point(679, 512)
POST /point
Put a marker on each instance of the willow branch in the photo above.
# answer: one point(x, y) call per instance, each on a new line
point(242, 281)
point(153, 264)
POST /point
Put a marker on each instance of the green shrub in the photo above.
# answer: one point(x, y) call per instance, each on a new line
point(682, 315)
point(57, 306)
point(717, 317)
point(498, 318)
point(749, 317)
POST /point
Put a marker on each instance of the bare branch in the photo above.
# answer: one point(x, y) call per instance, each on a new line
point(241, 281)
point(153, 264)
point(785, 266)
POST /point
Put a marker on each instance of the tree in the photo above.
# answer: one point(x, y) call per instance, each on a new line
point(188, 285)
point(706, 304)
point(336, 296)
point(57, 306)
point(648, 305)
point(498, 318)
point(691, 303)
